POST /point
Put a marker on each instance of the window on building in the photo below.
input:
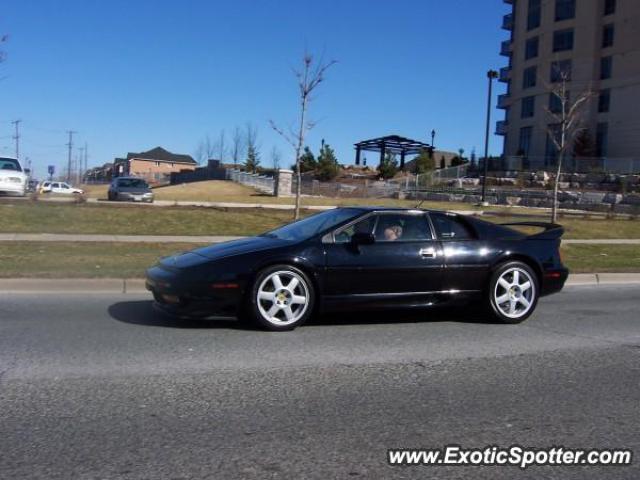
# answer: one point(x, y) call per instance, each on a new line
point(602, 140)
point(529, 77)
point(555, 103)
point(531, 48)
point(609, 7)
point(528, 107)
point(606, 67)
point(157, 164)
point(563, 40)
point(534, 14)
point(604, 100)
point(560, 70)
point(524, 143)
point(607, 35)
point(565, 9)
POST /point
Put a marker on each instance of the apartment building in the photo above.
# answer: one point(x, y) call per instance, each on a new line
point(596, 43)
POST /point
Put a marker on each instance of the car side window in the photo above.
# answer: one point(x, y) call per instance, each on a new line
point(398, 227)
point(55, 185)
point(363, 226)
point(449, 227)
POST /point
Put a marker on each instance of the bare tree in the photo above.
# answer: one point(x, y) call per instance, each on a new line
point(220, 147)
point(308, 78)
point(205, 150)
point(276, 157)
point(237, 146)
point(567, 126)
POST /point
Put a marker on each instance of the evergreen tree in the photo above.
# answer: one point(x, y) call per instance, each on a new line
point(389, 166)
point(253, 159)
point(424, 162)
point(327, 166)
point(308, 161)
point(583, 145)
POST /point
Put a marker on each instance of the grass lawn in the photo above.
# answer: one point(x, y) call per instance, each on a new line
point(125, 219)
point(82, 259)
point(231, 192)
point(130, 260)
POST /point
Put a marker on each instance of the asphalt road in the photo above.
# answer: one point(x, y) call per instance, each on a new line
point(101, 387)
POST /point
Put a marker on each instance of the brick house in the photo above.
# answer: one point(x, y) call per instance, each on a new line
point(155, 165)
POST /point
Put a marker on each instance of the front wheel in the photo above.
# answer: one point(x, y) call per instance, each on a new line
point(282, 298)
point(513, 292)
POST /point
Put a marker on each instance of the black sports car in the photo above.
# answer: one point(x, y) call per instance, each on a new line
point(364, 258)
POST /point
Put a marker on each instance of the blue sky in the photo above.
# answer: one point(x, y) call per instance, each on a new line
point(131, 75)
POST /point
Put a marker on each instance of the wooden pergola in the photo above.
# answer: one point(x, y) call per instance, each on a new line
point(391, 143)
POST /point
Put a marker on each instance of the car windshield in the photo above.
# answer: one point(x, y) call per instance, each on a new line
point(310, 226)
point(10, 164)
point(132, 183)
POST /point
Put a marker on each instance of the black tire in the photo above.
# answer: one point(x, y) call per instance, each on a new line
point(516, 295)
point(287, 301)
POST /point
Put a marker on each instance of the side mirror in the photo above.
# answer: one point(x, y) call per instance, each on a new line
point(363, 239)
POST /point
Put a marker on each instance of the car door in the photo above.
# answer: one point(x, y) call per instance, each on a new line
point(466, 258)
point(55, 187)
point(404, 262)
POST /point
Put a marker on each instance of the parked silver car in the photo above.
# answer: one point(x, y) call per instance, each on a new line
point(130, 189)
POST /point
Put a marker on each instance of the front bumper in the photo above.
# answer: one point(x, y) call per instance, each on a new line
point(13, 189)
point(190, 301)
point(132, 197)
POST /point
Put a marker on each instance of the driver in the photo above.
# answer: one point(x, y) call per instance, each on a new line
point(392, 233)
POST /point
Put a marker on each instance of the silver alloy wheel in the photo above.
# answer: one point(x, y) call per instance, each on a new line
point(514, 293)
point(283, 298)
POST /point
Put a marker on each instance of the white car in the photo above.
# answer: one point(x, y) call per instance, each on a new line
point(59, 187)
point(13, 179)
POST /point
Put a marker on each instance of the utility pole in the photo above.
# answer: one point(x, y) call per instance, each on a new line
point(70, 145)
point(16, 137)
point(86, 158)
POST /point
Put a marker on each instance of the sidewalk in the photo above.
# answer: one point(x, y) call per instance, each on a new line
point(74, 237)
point(136, 285)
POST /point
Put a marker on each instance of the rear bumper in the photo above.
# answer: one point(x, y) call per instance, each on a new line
point(553, 280)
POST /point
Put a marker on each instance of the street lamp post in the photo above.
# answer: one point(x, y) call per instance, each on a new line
point(491, 75)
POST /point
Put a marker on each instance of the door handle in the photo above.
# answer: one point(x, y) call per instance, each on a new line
point(428, 252)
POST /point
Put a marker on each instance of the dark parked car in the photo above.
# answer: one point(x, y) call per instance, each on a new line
point(357, 258)
point(132, 189)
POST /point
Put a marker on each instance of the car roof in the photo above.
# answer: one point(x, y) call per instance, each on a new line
point(395, 209)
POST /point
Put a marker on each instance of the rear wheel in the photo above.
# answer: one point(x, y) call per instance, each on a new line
point(282, 298)
point(513, 292)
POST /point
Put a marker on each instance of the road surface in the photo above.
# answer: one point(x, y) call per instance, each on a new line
point(100, 386)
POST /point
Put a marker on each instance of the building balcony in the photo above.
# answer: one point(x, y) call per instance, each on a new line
point(505, 48)
point(507, 22)
point(501, 127)
point(503, 100)
point(505, 74)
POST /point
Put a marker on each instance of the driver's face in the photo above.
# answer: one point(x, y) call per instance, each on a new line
point(392, 233)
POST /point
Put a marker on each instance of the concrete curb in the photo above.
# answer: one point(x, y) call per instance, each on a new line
point(136, 285)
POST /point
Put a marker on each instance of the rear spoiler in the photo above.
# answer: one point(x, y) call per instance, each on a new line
point(551, 231)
